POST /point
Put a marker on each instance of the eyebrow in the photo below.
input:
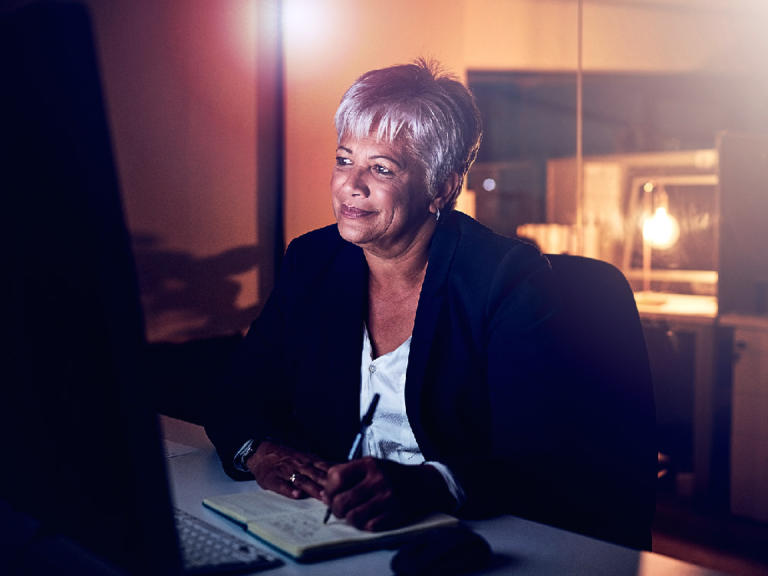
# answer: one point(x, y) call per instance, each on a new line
point(376, 157)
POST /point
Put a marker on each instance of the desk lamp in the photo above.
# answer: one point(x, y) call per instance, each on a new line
point(660, 231)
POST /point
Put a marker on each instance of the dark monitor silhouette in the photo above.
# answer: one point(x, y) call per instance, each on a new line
point(83, 477)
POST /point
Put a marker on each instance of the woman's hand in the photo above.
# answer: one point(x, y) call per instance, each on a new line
point(287, 471)
point(374, 494)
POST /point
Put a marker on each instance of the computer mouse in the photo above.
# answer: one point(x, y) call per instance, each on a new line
point(448, 550)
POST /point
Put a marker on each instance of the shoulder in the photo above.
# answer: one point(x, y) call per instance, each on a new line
point(480, 251)
point(507, 277)
point(312, 253)
point(317, 241)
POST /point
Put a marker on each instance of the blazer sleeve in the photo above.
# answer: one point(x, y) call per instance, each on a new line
point(253, 400)
point(527, 415)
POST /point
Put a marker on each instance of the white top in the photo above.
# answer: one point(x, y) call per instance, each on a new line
point(390, 435)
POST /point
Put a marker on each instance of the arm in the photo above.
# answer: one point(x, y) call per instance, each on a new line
point(236, 411)
point(254, 398)
point(526, 430)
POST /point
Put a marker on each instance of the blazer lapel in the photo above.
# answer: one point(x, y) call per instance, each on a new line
point(327, 401)
point(351, 298)
point(431, 300)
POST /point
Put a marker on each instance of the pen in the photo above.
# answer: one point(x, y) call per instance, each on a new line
point(364, 423)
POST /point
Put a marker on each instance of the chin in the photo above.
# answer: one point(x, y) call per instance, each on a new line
point(353, 234)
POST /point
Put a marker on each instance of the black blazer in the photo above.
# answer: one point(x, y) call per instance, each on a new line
point(484, 389)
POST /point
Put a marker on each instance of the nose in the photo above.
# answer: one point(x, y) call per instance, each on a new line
point(356, 183)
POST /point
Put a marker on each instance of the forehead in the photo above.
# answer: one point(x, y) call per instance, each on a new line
point(372, 145)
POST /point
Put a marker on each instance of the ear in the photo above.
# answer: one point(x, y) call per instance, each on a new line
point(446, 194)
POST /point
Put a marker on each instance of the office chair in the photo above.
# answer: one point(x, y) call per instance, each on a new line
point(603, 350)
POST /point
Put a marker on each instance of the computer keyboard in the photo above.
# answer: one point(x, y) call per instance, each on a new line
point(206, 549)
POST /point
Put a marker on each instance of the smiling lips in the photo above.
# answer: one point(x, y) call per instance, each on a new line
point(352, 212)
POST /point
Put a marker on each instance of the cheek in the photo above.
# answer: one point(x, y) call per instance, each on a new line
point(337, 190)
point(414, 201)
point(334, 183)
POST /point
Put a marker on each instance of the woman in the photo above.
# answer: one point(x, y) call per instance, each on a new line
point(408, 298)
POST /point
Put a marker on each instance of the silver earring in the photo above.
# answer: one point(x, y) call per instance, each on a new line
point(437, 215)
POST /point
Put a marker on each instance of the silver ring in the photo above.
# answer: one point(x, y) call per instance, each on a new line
point(292, 478)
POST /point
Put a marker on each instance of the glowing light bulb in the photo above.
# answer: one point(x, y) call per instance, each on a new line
point(661, 230)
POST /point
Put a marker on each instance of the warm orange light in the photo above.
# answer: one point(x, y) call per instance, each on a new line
point(304, 23)
point(661, 230)
point(238, 31)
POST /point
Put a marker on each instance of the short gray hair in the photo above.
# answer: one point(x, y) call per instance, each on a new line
point(432, 111)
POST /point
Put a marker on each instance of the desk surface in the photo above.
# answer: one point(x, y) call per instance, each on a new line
point(666, 304)
point(521, 547)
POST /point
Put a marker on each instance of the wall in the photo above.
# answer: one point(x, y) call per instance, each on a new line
point(627, 35)
point(180, 84)
point(349, 38)
point(182, 81)
point(328, 44)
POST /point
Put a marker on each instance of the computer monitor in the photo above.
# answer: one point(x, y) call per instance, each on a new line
point(81, 452)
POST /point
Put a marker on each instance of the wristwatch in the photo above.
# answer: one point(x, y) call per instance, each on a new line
point(241, 457)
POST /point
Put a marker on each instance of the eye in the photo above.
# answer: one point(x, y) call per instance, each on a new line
point(343, 161)
point(382, 170)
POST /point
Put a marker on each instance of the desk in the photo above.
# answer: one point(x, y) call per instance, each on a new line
point(521, 547)
point(695, 315)
point(749, 414)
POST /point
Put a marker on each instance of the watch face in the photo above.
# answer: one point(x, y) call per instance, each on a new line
point(242, 457)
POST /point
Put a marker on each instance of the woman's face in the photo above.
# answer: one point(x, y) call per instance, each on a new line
point(379, 196)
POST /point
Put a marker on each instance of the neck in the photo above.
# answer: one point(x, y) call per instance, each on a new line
point(396, 277)
point(395, 272)
point(402, 262)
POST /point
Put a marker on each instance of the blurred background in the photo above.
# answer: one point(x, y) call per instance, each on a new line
point(634, 131)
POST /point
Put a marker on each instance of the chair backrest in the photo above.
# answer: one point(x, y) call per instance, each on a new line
point(604, 352)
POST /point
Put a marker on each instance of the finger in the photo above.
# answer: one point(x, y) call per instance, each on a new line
point(317, 475)
point(359, 494)
point(350, 484)
point(308, 486)
point(341, 477)
point(370, 513)
point(310, 460)
point(284, 468)
point(284, 487)
point(280, 481)
point(304, 477)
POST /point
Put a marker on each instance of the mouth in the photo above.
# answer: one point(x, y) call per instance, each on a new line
point(352, 212)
